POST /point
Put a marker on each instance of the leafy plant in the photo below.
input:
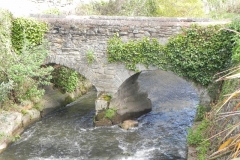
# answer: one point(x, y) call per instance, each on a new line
point(199, 52)
point(16, 137)
point(107, 97)
point(38, 106)
point(201, 110)
point(5, 90)
point(180, 8)
point(65, 78)
point(5, 32)
point(202, 150)
point(27, 30)
point(2, 135)
point(52, 11)
point(110, 113)
point(196, 137)
point(23, 111)
point(145, 51)
point(21, 75)
point(235, 28)
point(170, 8)
point(27, 73)
point(90, 56)
point(220, 9)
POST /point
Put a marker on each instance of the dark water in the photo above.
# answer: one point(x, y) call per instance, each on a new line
point(69, 133)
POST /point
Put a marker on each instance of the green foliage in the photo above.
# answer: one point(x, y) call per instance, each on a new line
point(201, 110)
point(16, 137)
point(199, 52)
point(38, 106)
point(90, 56)
point(170, 8)
point(2, 135)
point(235, 25)
point(202, 150)
point(65, 79)
point(145, 51)
point(228, 87)
point(179, 8)
point(52, 11)
point(220, 9)
point(5, 31)
point(27, 30)
point(27, 73)
point(107, 98)
point(20, 75)
point(196, 136)
point(23, 111)
point(5, 90)
point(110, 113)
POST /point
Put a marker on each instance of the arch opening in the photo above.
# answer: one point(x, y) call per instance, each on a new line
point(66, 86)
point(153, 90)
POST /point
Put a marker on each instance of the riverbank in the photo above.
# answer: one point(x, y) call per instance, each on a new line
point(217, 135)
point(13, 122)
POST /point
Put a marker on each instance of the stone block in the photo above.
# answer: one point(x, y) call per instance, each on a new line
point(100, 104)
point(127, 124)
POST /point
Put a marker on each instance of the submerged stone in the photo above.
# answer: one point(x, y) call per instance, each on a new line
point(127, 124)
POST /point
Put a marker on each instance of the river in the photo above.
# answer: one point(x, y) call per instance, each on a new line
point(68, 133)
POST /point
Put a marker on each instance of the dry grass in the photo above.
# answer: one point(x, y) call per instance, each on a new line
point(224, 132)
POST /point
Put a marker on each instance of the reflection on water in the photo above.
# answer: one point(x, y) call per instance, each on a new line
point(69, 133)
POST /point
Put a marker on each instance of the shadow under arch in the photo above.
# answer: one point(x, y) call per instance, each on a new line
point(55, 96)
point(154, 90)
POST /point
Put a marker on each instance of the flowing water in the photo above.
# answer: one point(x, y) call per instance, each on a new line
point(68, 134)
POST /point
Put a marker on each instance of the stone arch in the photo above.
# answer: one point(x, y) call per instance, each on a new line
point(69, 64)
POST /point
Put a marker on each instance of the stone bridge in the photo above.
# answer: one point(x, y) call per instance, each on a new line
point(73, 38)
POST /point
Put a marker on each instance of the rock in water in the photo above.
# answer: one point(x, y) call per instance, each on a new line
point(127, 124)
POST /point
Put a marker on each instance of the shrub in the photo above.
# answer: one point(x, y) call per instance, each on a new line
point(196, 136)
point(199, 52)
point(201, 110)
point(27, 32)
point(90, 56)
point(145, 51)
point(235, 26)
point(27, 74)
point(223, 8)
point(170, 8)
point(65, 78)
point(110, 113)
point(21, 75)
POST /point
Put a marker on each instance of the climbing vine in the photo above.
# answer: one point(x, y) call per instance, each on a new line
point(145, 51)
point(197, 53)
